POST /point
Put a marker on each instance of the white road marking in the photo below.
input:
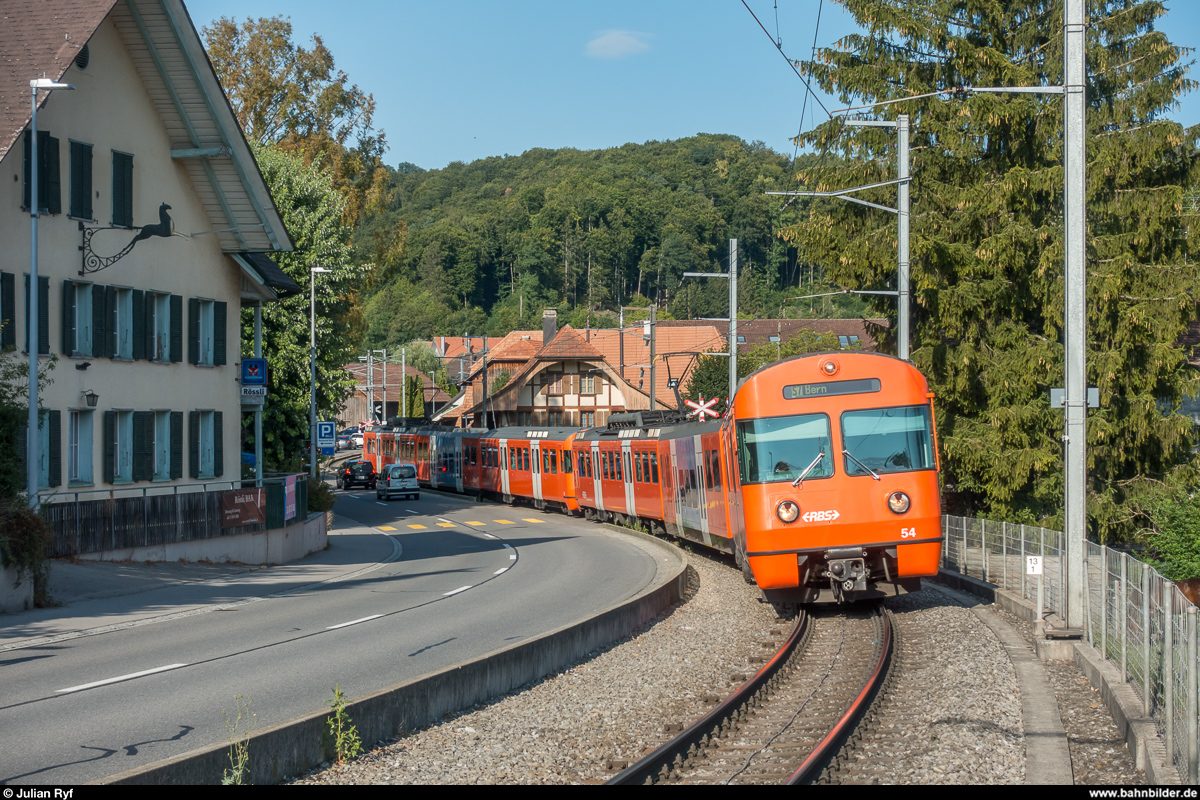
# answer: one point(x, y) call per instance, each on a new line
point(128, 677)
point(355, 622)
point(513, 557)
point(379, 503)
point(490, 536)
point(410, 511)
point(497, 572)
point(443, 519)
point(456, 591)
point(509, 546)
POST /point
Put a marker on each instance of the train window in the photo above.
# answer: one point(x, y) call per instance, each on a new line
point(604, 465)
point(628, 471)
point(887, 440)
point(637, 465)
point(716, 469)
point(782, 448)
point(566, 461)
point(617, 466)
point(654, 467)
point(554, 462)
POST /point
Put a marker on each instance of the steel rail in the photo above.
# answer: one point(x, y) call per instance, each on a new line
point(815, 763)
point(650, 767)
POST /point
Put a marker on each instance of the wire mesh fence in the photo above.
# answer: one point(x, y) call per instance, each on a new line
point(1138, 619)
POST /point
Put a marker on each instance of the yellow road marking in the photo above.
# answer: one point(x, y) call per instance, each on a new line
point(417, 527)
point(447, 525)
point(470, 522)
point(534, 521)
point(504, 521)
point(386, 528)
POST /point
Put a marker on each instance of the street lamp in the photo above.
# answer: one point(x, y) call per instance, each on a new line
point(312, 363)
point(31, 458)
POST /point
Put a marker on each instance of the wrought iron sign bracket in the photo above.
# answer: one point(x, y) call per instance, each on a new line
point(94, 262)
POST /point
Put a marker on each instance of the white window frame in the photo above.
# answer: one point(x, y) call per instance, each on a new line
point(206, 444)
point(123, 324)
point(206, 332)
point(123, 448)
point(162, 327)
point(80, 438)
point(83, 320)
point(587, 384)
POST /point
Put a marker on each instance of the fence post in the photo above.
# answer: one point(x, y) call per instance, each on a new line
point(1146, 682)
point(983, 547)
point(1087, 601)
point(1021, 566)
point(1104, 601)
point(1122, 618)
point(1169, 676)
point(963, 555)
point(1004, 554)
point(1191, 693)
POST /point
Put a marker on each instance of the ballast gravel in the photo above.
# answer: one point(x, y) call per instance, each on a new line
point(586, 722)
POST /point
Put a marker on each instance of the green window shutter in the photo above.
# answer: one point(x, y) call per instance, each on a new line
point(193, 330)
point(68, 318)
point(220, 313)
point(8, 311)
point(218, 446)
point(110, 445)
point(28, 348)
point(176, 445)
point(194, 444)
point(55, 422)
point(43, 315)
point(143, 445)
point(53, 201)
point(122, 194)
point(139, 324)
point(151, 308)
point(176, 328)
point(25, 172)
point(81, 180)
point(99, 320)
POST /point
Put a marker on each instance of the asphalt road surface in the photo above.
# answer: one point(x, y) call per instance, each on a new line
point(437, 581)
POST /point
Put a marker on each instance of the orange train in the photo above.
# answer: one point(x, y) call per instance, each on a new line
point(821, 480)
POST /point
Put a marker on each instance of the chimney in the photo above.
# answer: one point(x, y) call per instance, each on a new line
point(549, 325)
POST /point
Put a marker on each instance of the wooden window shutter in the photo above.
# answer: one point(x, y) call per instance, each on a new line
point(220, 315)
point(54, 420)
point(99, 321)
point(68, 318)
point(194, 444)
point(122, 189)
point(143, 445)
point(176, 445)
point(193, 330)
point(43, 315)
point(81, 180)
point(8, 311)
point(53, 200)
point(113, 326)
point(139, 324)
point(110, 445)
point(176, 328)
point(149, 344)
point(218, 446)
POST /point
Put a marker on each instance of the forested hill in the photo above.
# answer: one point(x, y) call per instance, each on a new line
point(465, 249)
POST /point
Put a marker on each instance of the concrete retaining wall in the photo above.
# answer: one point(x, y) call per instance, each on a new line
point(14, 597)
point(292, 747)
point(277, 546)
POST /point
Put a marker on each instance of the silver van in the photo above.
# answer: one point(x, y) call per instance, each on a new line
point(398, 479)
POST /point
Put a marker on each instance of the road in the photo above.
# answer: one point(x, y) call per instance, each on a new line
point(444, 580)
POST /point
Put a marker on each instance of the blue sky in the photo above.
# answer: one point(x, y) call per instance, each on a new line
point(465, 80)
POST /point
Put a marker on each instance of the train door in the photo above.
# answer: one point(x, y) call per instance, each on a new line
point(535, 457)
point(459, 463)
point(626, 455)
point(503, 453)
point(599, 488)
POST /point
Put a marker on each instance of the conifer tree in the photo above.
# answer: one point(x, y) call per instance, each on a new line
point(987, 236)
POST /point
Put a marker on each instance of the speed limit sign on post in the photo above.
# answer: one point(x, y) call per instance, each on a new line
point(1033, 565)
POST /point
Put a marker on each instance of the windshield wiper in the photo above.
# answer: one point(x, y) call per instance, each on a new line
point(846, 453)
point(808, 469)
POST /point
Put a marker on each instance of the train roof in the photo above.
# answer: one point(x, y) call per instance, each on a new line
point(647, 425)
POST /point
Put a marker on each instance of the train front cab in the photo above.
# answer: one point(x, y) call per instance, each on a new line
point(837, 497)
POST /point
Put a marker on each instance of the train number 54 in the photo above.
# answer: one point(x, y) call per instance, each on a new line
point(908, 533)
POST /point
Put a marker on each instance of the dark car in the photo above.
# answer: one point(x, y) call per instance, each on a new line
point(356, 472)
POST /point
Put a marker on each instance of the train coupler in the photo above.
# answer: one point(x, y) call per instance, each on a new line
point(847, 569)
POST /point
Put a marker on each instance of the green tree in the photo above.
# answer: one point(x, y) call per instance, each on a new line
point(312, 212)
point(414, 391)
point(987, 236)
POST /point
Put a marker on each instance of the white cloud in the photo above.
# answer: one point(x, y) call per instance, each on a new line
point(617, 44)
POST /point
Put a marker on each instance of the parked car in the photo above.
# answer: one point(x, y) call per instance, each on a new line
point(357, 472)
point(398, 479)
point(342, 442)
point(356, 439)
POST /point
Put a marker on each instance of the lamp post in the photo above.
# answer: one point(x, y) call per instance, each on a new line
point(31, 457)
point(312, 363)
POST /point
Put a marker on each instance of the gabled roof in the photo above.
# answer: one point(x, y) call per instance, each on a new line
point(46, 36)
point(568, 344)
point(673, 347)
point(268, 273)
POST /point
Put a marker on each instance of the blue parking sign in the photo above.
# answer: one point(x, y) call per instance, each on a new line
point(325, 438)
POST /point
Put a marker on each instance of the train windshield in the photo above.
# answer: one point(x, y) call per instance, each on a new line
point(887, 440)
point(782, 448)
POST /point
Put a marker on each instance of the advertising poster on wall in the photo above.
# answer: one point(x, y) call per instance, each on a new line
point(243, 507)
point(289, 497)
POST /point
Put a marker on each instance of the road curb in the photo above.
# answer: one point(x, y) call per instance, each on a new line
point(293, 747)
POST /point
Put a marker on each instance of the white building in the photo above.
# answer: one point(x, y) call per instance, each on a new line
point(145, 145)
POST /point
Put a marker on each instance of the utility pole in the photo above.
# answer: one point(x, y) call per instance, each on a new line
point(403, 385)
point(653, 329)
point(733, 342)
point(1075, 311)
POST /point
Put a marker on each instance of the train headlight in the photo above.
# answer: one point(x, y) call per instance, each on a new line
point(787, 511)
point(830, 367)
point(899, 502)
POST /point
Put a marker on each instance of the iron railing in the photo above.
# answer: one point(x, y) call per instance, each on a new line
point(94, 520)
point(1138, 619)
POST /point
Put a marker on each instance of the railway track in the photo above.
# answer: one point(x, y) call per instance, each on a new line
point(788, 721)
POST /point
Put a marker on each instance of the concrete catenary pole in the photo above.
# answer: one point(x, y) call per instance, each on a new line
point(733, 311)
point(902, 312)
point(1075, 312)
